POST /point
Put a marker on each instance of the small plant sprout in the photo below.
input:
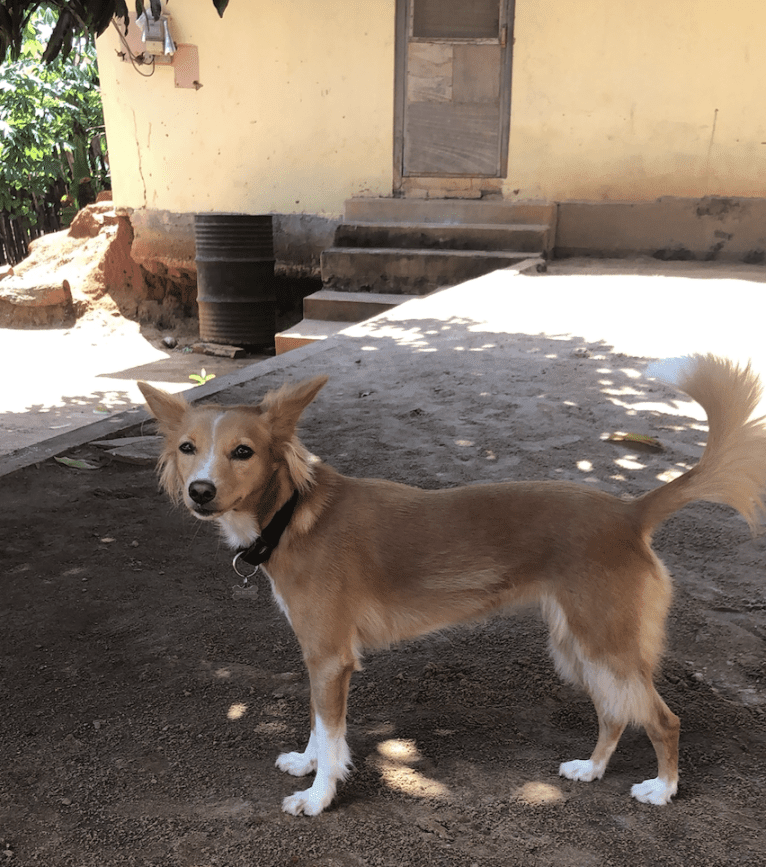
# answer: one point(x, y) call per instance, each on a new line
point(202, 377)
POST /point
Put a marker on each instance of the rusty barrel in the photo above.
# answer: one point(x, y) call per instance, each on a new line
point(235, 279)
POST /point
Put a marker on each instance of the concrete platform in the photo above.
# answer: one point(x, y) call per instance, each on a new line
point(642, 308)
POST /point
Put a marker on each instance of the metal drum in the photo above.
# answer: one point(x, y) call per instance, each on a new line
point(235, 279)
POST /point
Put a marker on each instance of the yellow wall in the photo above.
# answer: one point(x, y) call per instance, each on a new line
point(611, 100)
point(626, 100)
point(294, 115)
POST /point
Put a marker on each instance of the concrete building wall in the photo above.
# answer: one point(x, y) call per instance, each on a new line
point(611, 101)
point(710, 228)
point(614, 100)
point(294, 114)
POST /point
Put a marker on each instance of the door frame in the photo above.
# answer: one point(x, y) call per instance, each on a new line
point(401, 39)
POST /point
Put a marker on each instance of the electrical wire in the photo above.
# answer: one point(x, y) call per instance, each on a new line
point(136, 60)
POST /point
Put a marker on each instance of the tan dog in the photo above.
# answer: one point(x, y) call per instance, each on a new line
point(361, 563)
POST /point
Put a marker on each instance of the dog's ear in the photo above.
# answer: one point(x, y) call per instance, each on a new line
point(283, 408)
point(168, 409)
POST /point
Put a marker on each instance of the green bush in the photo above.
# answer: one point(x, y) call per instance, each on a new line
point(49, 116)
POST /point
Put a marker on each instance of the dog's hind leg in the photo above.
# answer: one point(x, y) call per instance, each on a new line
point(634, 701)
point(601, 684)
point(327, 751)
point(585, 770)
point(663, 728)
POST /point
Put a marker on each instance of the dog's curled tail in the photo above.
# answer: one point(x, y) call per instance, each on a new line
point(732, 469)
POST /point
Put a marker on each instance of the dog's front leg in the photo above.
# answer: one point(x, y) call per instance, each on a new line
point(327, 751)
point(300, 764)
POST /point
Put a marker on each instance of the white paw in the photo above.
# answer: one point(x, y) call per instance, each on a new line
point(297, 764)
point(583, 770)
point(309, 803)
point(654, 791)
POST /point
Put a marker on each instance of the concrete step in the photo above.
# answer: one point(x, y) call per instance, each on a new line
point(398, 270)
point(349, 306)
point(327, 312)
point(305, 332)
point(477, 211)
point(530, 238)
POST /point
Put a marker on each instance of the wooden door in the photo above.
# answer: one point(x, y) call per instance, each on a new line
point(453, 87)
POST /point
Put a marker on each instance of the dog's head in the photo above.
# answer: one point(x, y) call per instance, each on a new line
point(226, 459)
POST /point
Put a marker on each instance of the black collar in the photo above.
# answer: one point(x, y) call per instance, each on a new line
point(260, 551)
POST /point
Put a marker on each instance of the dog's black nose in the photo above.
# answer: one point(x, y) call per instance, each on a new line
point(202, 492)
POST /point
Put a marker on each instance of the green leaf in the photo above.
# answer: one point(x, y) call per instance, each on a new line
point(62, 36)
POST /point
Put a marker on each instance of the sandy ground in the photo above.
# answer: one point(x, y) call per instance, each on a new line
point(143, 702)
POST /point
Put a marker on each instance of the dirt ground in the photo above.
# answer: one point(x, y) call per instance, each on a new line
point(143, 702)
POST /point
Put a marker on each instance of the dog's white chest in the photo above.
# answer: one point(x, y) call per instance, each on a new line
point(238, 529)
point(279, 600)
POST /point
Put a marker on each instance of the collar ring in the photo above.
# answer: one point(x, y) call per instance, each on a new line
point(237, 567)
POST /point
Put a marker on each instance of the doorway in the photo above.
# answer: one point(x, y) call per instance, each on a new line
point(453, 88)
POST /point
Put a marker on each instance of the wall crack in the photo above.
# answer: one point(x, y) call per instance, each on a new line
point(138, 151)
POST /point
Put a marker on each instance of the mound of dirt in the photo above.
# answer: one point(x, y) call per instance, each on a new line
point(87, 267)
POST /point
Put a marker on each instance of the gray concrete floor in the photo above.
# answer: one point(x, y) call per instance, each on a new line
point(60, 381)
point(56, 380)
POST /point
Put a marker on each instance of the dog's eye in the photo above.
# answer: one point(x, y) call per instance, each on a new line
point(187, 448)
point(242, 453)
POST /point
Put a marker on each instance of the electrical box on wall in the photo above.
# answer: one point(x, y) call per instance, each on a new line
point(154, 35)
point(156, 38)
point(149, 43)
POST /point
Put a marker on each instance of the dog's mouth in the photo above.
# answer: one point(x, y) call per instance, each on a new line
point(210, 511)
point(206, 513)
